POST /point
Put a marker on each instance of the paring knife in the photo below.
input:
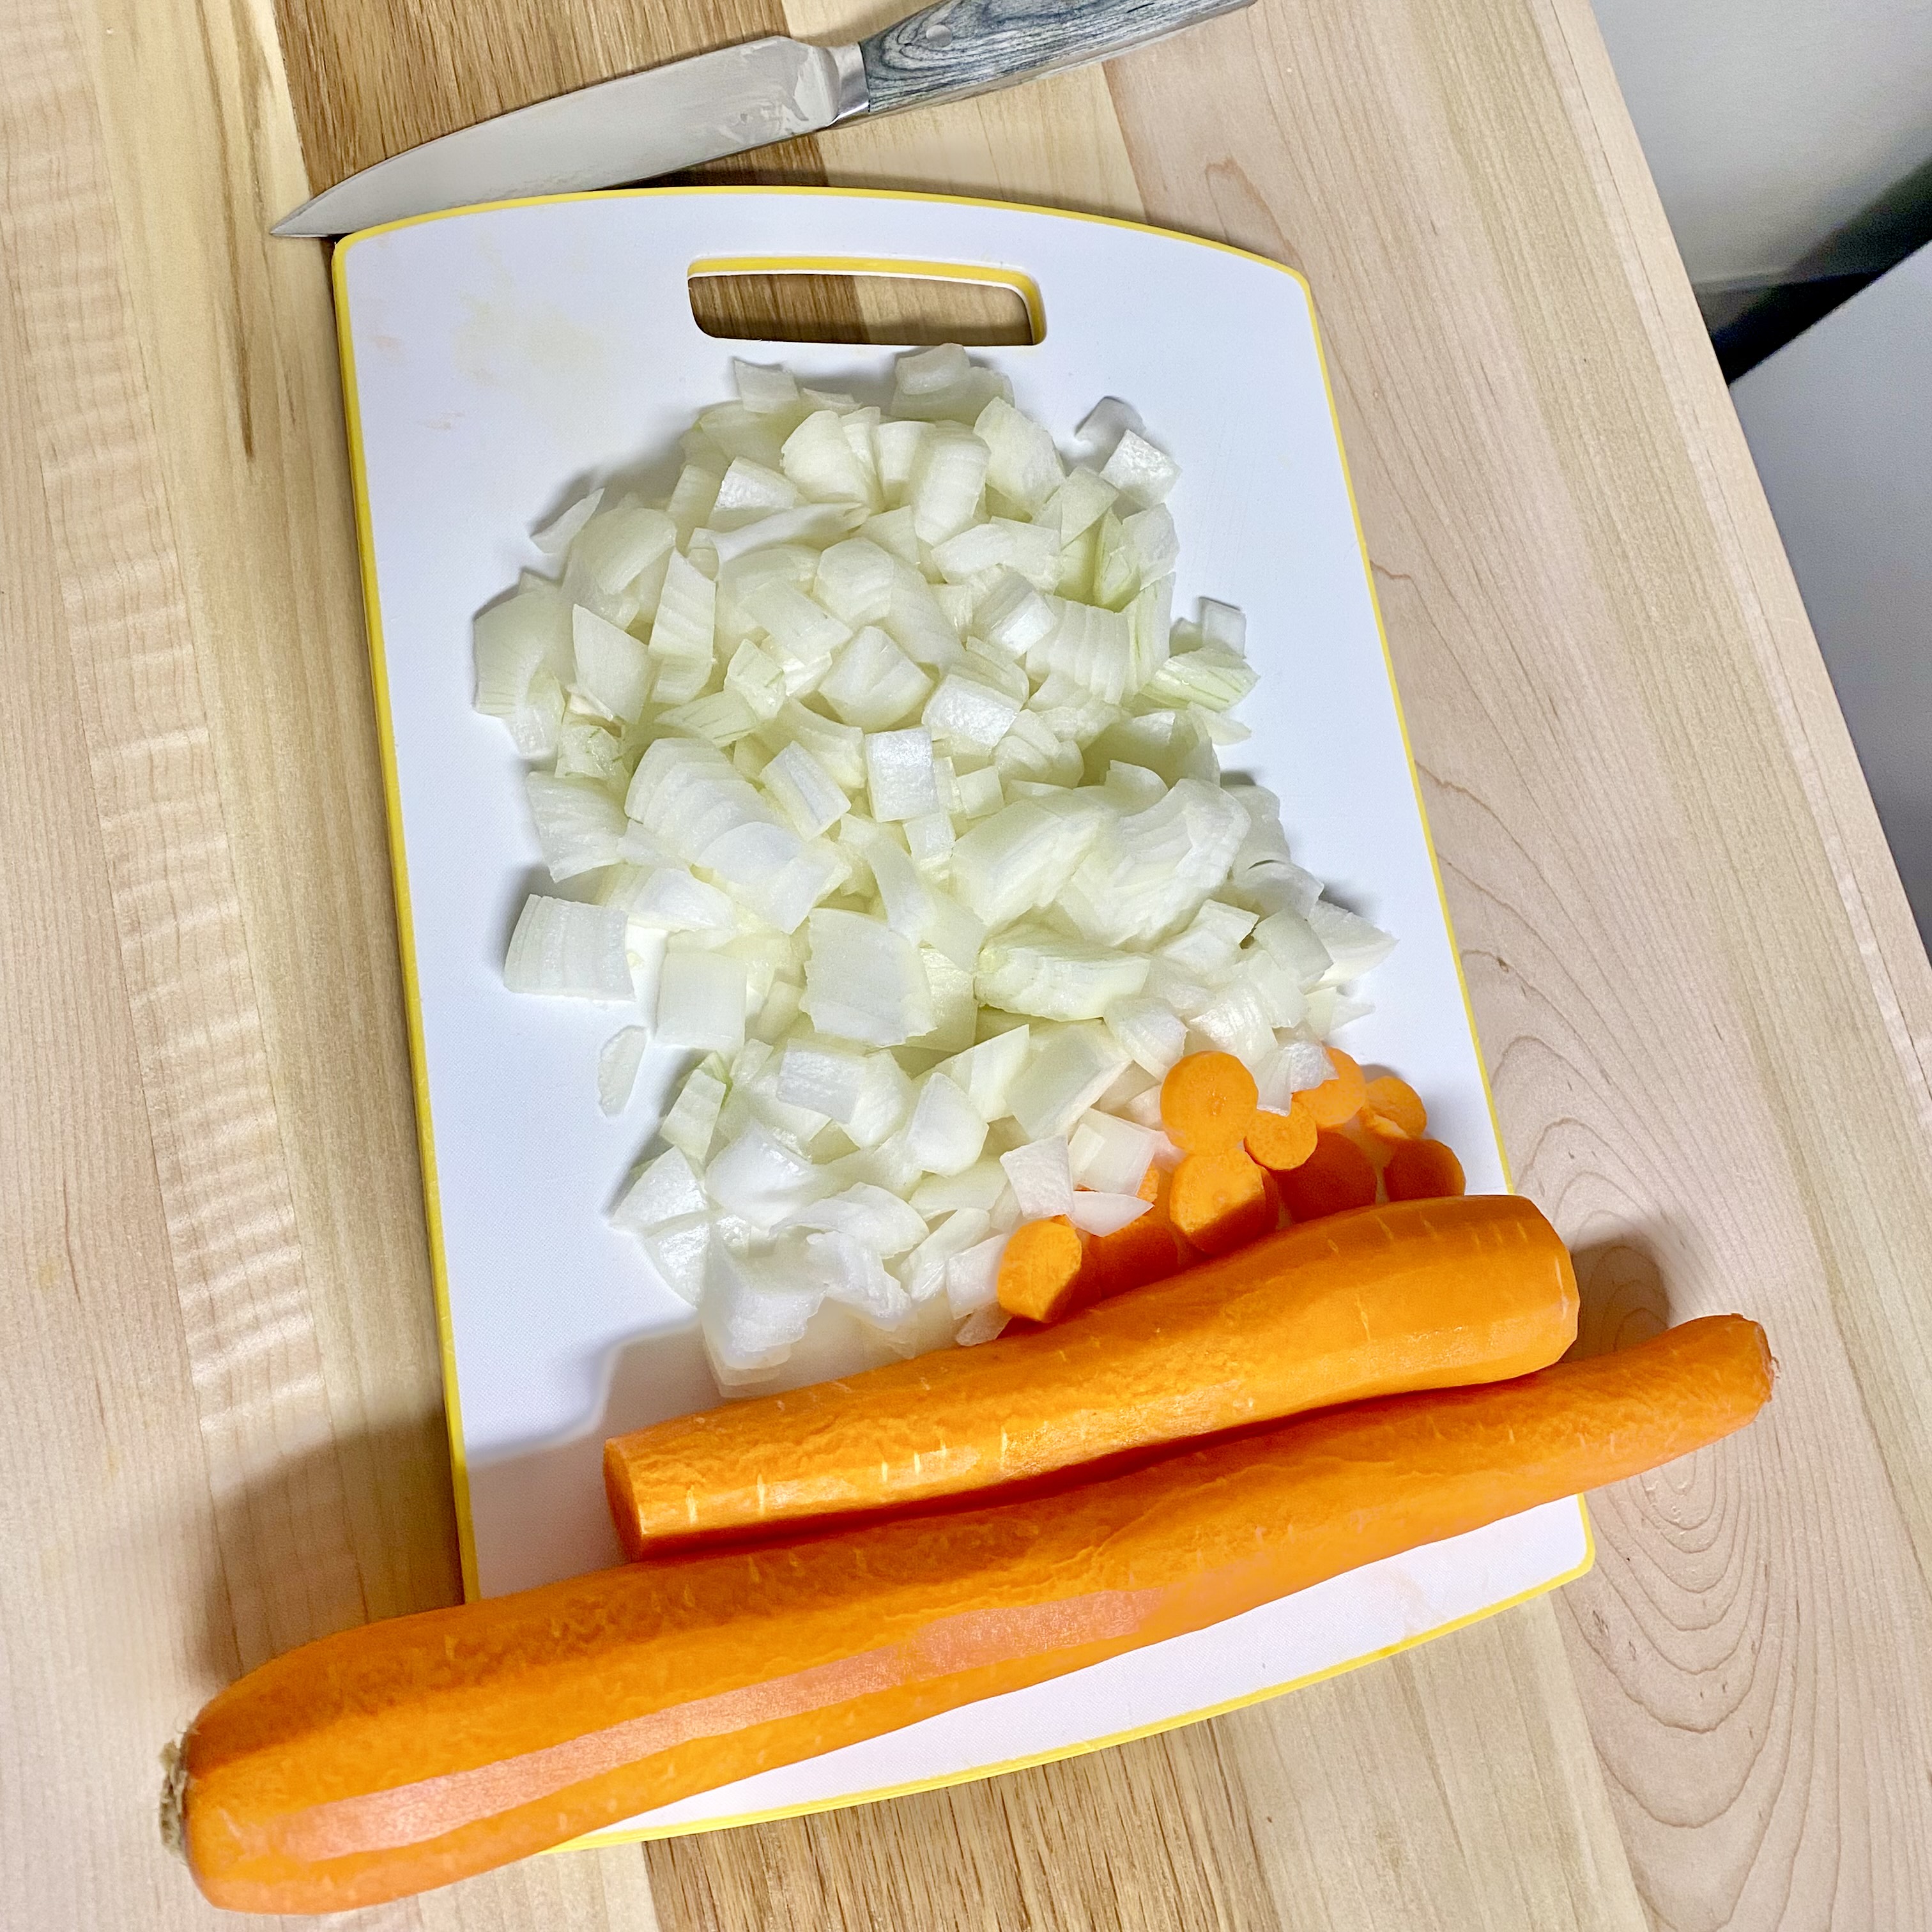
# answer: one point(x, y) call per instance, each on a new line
point(714, 104)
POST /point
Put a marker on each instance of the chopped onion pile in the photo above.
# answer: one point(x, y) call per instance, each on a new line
point(891, 788)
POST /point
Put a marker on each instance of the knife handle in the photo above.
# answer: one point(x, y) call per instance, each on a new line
point(959, 47)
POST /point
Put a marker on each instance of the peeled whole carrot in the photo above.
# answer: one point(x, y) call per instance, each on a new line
point(1411, 1295)
point(410, 1753)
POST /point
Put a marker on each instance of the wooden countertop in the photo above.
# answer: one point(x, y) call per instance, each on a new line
point(1703, 1003)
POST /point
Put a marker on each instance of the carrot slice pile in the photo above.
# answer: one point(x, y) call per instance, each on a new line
point(1337, 1175)
point(1422, 1170)
point(1207, 1102)
point(1040, 1269)
point(1282, 1141)
point(1393, 1109)
point(1339, 1098)
point(1223, 1200)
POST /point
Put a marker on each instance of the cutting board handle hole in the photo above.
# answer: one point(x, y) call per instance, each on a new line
point(909, 306)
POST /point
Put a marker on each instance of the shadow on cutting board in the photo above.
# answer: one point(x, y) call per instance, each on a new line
point(538, 1511)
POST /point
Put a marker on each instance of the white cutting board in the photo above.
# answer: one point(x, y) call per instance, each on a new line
point(499, 360)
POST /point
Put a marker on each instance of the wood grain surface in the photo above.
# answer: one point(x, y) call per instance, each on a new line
point(1704, 1005)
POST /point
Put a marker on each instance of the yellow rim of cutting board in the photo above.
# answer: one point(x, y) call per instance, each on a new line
point(1029, 292)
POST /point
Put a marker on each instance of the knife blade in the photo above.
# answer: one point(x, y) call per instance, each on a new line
point(740, 97)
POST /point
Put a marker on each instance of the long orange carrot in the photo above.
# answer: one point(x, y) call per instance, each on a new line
point(410, 1754)
point(1419, 1295)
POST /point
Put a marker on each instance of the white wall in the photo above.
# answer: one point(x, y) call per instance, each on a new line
point(1769, 123)
point(1840, 423)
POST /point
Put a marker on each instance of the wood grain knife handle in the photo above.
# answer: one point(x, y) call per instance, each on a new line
point(960, 47)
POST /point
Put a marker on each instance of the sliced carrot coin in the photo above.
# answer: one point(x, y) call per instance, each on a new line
point(1337, 1176)
point(1422, 1170)
point(1143, 1251)
point(1221, 1202)
point(1282, 1141)
point(1039, 1268)
point(1207, 1102)
point(1394, 1109)
point(1339, 1098)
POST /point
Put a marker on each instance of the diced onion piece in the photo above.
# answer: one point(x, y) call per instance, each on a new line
point(954, 1013)
point(618, 544)
point(821, 462)
point(923, 1271)
point(1294, 1067)
point(1210, 676)
point(753, 1312)
point(669, 899)
point(1095, 1213)
point(976, 1187)
point(1024, 466)
point(750, 489)
point(683, 636)
point(882, 1222)
point(895, 448)
point(923, 372)
point(515, 641)
point(666, 1190)
point(872, 683)
point(1149, 870)
point(617, 1063)
point(899, 773)
point(863, 981)
point(972, 1278)
point(701, 1001)
point(978, 793)
point(1078, 505)
point(1236, 1020)
point(1041, 1178)
point(1354, 945)
point(694, 498)
point(1141, 473)
point(854, 581)
point(678, 1250)
point(1291, 941)
point(805, 791)
point(969, 713)
point(1277, 989)
point(1147, 1031)
point(948, 475)
point(1032, 969)
point(612, 669)
point(693, 1116)
point(1156, 545)
point(988, 1071)
point(760, 1178)
point(1212, 940)
point(946, 1133)
point(1067, 1072)
point(1018, 859)
point(561, 947)
point(1109, 1155)
point(757, 680)
point(554, 538)
point(579, 825)
point(764, 391)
